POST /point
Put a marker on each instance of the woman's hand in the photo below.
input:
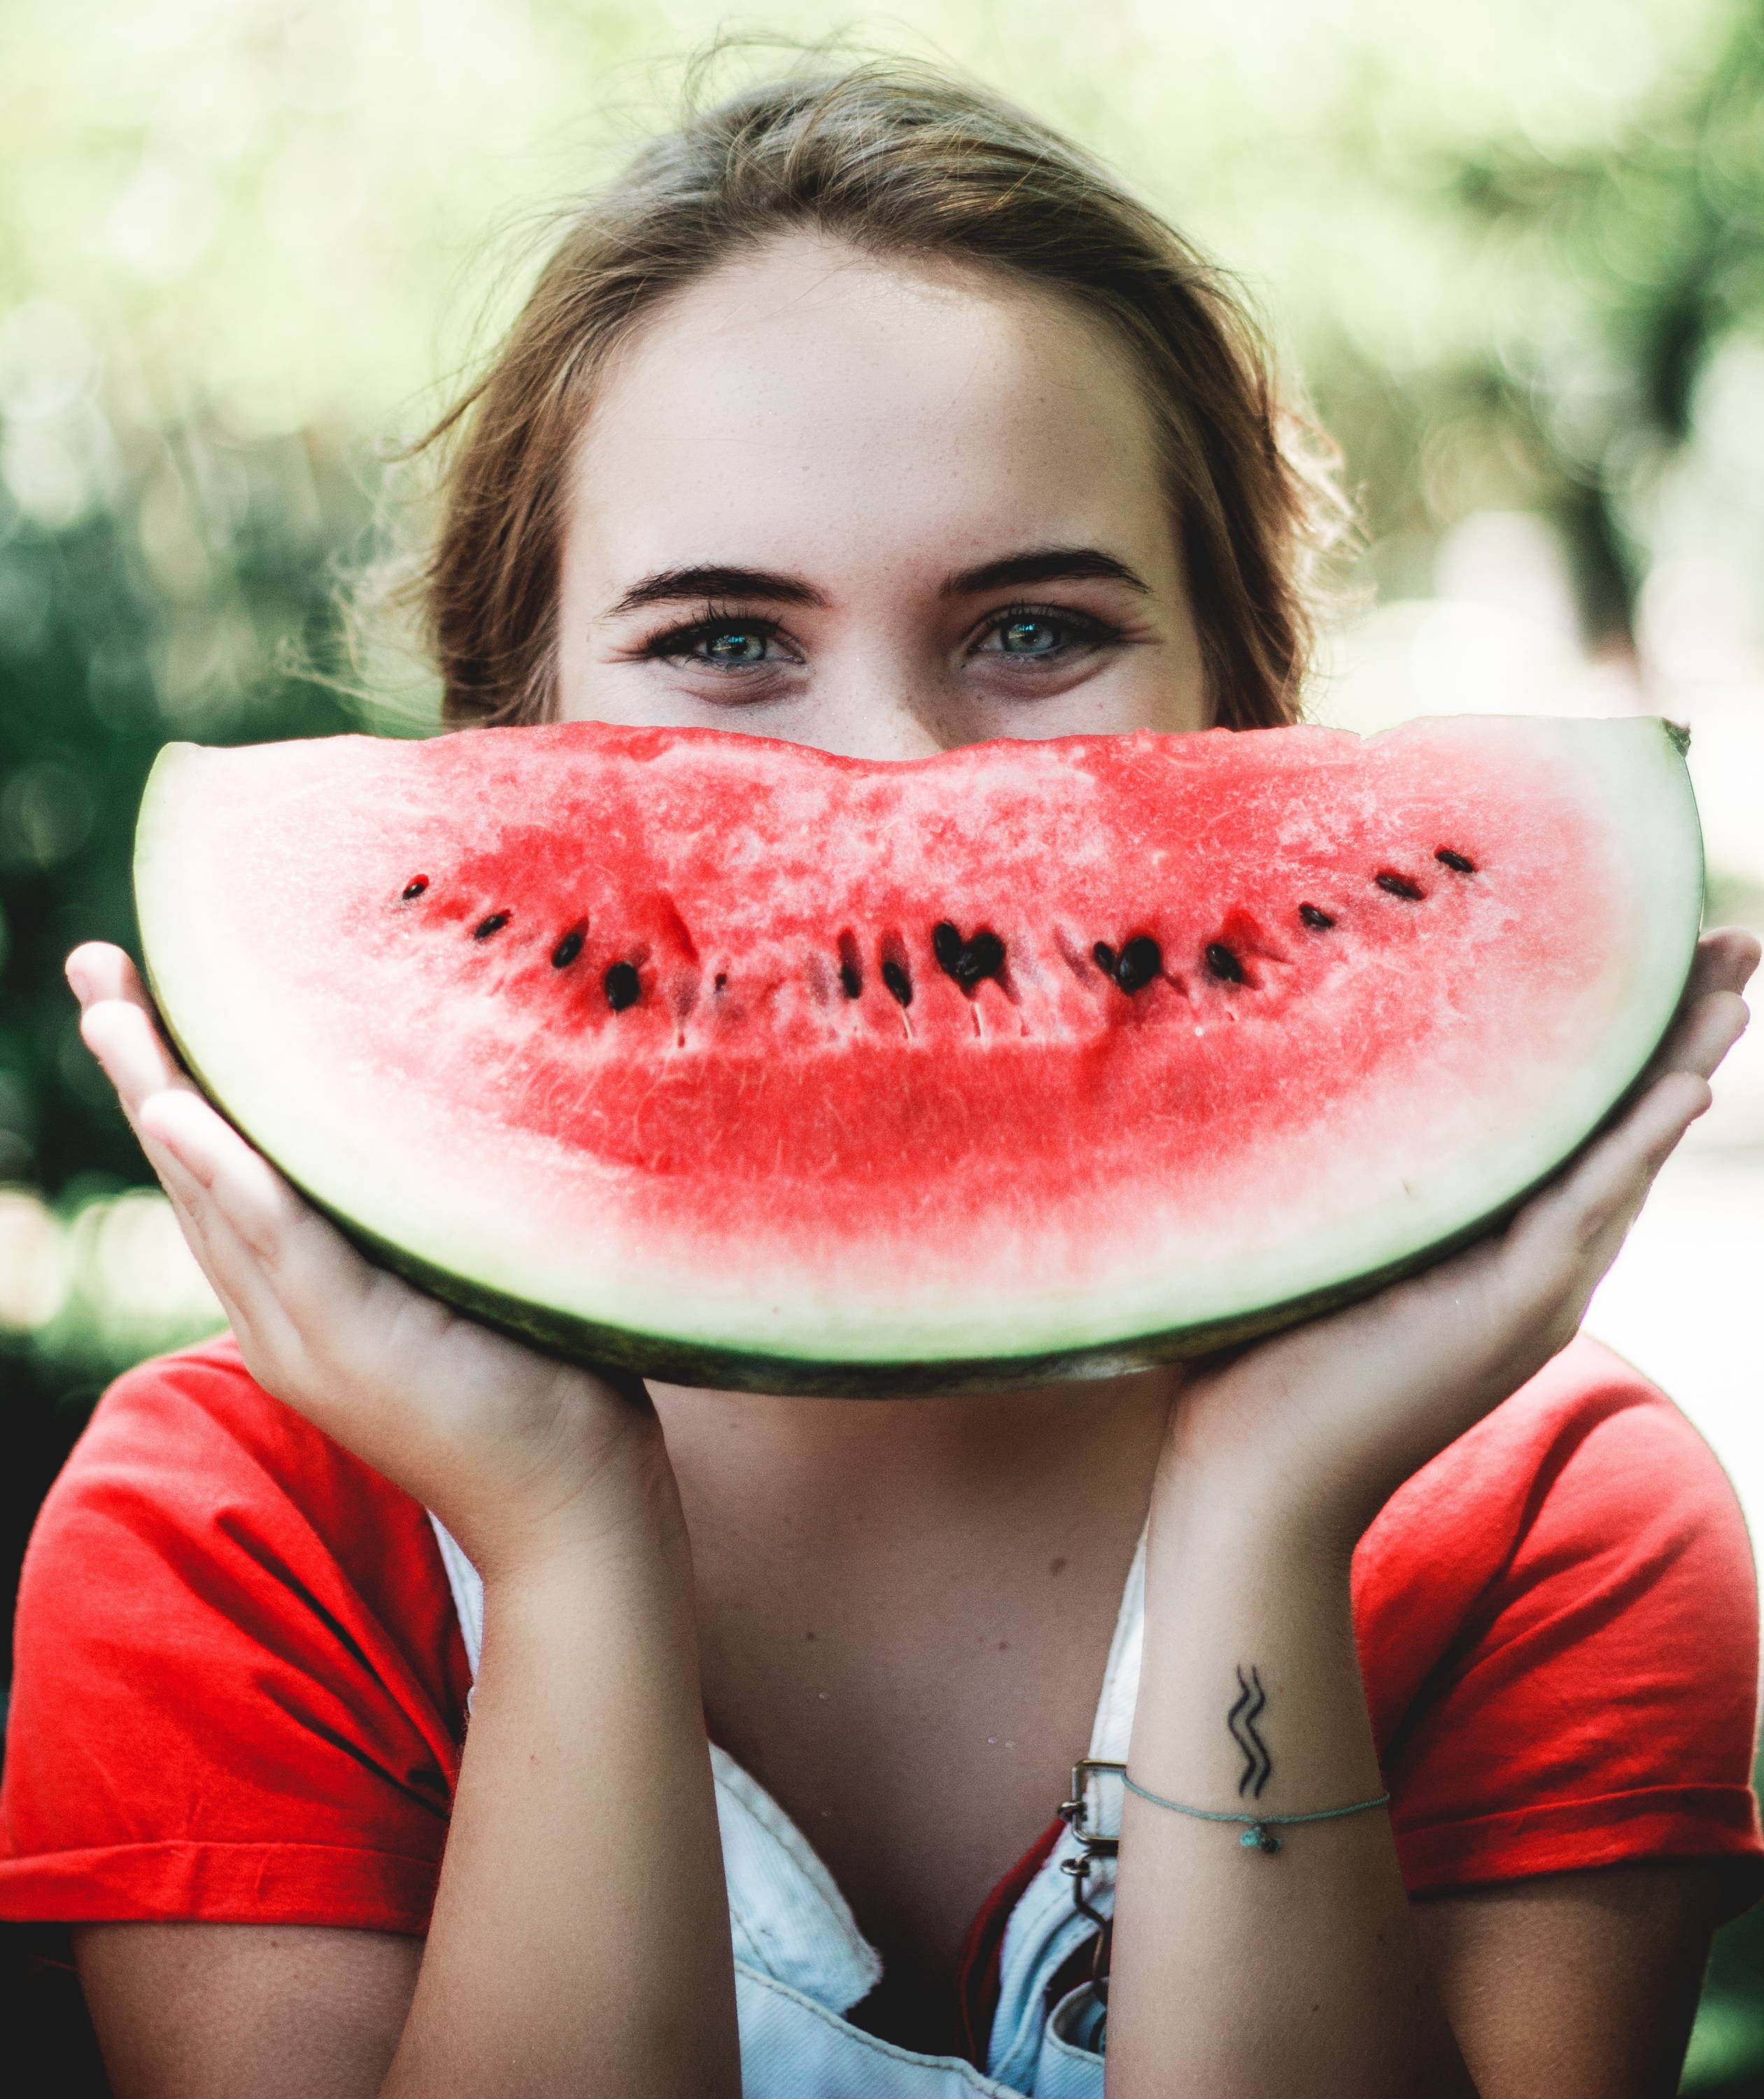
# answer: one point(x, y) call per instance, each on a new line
point(505, 1446)
point(1322, 1424)
point(580, 1902)
point(1278, 1458)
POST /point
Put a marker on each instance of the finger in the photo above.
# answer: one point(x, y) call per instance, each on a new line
point(200, 1227)
point(131, 1052)
point(93, 970)
point(287, 1266)
point(194, 1238)
point(123, 1039)
point(239, 1215)
point(236, 1213)
point(97, 969)
point(119, 1030)
point(1731, 954)
point(1705, 1034)
point(1605, 1188)
point(1572, 1229)
point(1723, 964)
point(234, 1275)
point(103, 976)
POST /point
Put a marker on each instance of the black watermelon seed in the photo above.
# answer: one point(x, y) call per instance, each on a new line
point(967, 960)
point(986, 955)
point(850, 967)
point(1223, 963)
point(1456, 861)
point(1400, 885)
point(898, 982)
point(623, 987)
point(493, 924)
point(1135, 966)
point(1319, 922)
point(414, 887)
point(721, 982)
point(1141, 959)
point(567, 949)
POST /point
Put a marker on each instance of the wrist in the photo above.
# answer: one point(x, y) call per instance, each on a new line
point(1241, 1508)
point(623, 1507)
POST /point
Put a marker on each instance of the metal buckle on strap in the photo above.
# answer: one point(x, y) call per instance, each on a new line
point(1075, 1813)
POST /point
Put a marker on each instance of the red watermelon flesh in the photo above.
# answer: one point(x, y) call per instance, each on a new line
point(728, 1060)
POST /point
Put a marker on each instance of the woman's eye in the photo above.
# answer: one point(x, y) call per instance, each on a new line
point(732, 647)
point(1041, 637)
point(720, 645)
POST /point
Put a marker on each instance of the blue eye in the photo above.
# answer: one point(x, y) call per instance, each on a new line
point(733, 647)
point(720, 645)
point(1028, 634)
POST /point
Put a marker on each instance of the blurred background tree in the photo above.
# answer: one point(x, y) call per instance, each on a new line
point(1516, 252)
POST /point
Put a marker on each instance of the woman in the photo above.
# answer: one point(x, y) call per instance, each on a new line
point(867, 414)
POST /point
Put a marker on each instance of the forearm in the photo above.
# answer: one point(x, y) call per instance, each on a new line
point(580, 1937)
point(1238, 1973)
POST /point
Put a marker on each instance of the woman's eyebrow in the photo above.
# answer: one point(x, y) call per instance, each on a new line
point(1042, 564)
point(677, 586)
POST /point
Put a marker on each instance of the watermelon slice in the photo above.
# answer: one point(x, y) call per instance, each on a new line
point(736, 1063)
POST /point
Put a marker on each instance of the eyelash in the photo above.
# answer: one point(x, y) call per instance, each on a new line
point(676, 641)
point(1086, 628)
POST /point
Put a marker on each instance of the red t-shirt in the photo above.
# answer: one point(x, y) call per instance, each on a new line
point(241, 1689)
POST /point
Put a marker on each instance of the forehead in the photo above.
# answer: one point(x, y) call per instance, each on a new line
point(808, 403)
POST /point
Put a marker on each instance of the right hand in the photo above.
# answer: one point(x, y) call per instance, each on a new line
point(512, 1451)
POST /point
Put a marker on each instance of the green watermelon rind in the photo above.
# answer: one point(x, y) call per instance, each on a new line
point(706, 1362)
point(671, 1361)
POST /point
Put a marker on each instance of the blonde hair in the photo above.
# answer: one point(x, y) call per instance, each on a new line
point(896, 159)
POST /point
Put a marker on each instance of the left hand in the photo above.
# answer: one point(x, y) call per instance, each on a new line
point(1322, 1424)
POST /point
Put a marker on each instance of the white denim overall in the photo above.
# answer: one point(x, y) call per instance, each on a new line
point(800, 1962)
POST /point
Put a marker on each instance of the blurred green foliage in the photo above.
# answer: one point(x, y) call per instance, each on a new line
point(1511, 253)
point(105, 649)
point(1625, 267)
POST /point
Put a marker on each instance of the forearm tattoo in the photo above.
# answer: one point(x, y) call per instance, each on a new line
point(1241, 1720)
point(1248, 1708)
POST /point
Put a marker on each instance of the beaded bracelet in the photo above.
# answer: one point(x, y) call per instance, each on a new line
point(1258, 1835)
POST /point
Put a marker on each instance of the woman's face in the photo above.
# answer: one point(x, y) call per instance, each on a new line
point(882, 509)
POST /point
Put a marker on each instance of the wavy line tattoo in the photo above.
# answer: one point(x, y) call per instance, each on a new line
point(1241, 1720)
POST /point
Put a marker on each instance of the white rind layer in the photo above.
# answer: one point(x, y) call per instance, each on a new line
point(1166, 1276)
